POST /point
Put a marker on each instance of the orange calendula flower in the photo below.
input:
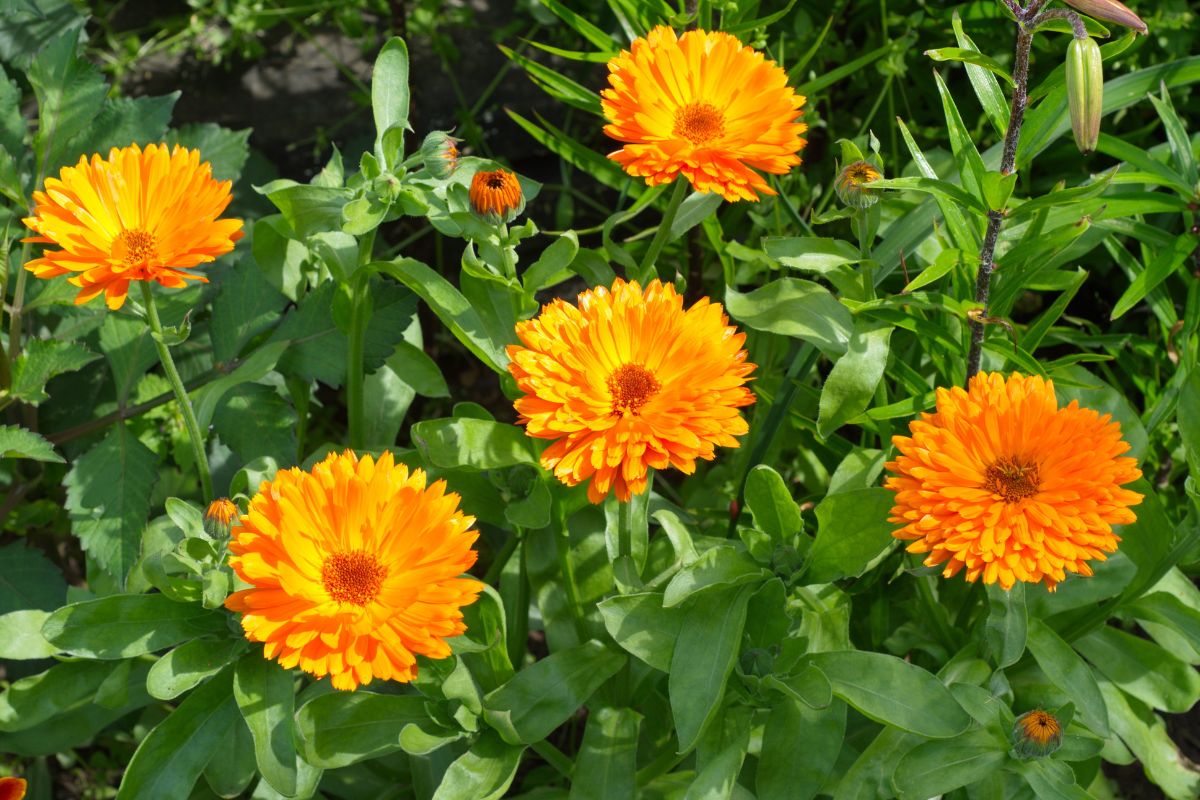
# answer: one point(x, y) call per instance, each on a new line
point(1003, 482)
point(629, 380)
point(355, 569)
point(496, 196)
point(139, 215)
point(704, 106)
point(12, 788)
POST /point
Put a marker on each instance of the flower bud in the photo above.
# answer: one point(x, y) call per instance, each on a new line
point(1036, 734)
point(439, 152)
point(1109, 11)
point(219, 517)
point(1085, 91)
point(12, 788)
point(849, 184)
point(496, 196)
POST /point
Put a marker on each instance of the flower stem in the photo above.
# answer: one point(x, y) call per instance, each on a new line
point(185, 404)
point(664, 231)
point(983, 279)
point(355, 377)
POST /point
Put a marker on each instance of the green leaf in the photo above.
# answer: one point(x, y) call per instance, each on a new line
point(252, 368)
point(809, 686)
point(253, 421)
point(30, 701)
point(938, 188)
point(389, 101)
point(246, 306)
point(126, 343)
point(279, 255)
point(123, 121)
point(553, 265)
point(555, 84)
point(1143, 669)
point(1066, 670)
point(266, 697)
point(227, 150)
point(127, 625)
point(774, 510)
point(788, 772)
point(386, 400)
point(943, 765)
point(1050, 780)
point(643, 627)
point(970, 57)
point(28, 580)
point(42, 360)
point(718, 777)
point(851, 384)
point(579, 155)
point(1177, 137)
point(1144, 733)
point(473, 443)
point(852, 531)
point(541, 697)
point(705, 652)
point(1165, 263)
point(893, 692)
point(482, 773)
point(16, 442)
point(418, 370)
point(1007, 624)
point(190, 663)
point(794, 307)
point(339, 729)
point(172, 756)
point(811, 253)
point(232, 768)
point(871, 773)
point(108, 497)
point(308, 209)
point(21, 636)
point(722, 567)
point(606, 766)
point(70, 92)
point(598, 38)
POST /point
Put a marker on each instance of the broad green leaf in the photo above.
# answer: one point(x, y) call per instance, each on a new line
point(1146, 736)
point(1066, 670)
point(695, 208)
point(172, 756)
point(108, 496)
point(30, 701)
point(253, 421)
point(794, 307)
point(1142, 669)
point(1050, 780)
point(774, 510)
point(231, 768)
point(29, 580)
point(123, 626)
point(473, 443)
point(190, 663)
point(705, 652)
point(246, 306)
point(266, 697)
point(809, 686)
point(21, 635)
point(418, 370)
point(482, 773)
point(386, 400)
point(16, 442)
point(1166, 609)
point(871, 773)
point(126, 343)
point(541, 697)
point(641, 626)
point(278, 255)
point(893, 692)
point(721, 567)
point(123, 121)
point(942, 765)
point(718, 777)
point(308, 209)
point(1007, 624)
point(227, 150)
point(553, 265)
point(852, 530)
point(607, 762)
point(252, 368)
point(338, 729)
point(811, 253)
point(70, 92)
point(788, 772)
point(389, 101)
point(42, 360)
point(850, 386)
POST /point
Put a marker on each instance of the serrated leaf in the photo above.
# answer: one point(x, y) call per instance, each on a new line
point(123, 121)
point(29, 580)
point(253, 420)
point(16, 442)
point(42, 360)
point(246, 306)
point(108, 497)
point(70, 92)
point(227, 150)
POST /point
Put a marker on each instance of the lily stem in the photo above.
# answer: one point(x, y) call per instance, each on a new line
point(181, 396)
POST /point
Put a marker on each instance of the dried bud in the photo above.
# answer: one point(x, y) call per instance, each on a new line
point(1109, 11)
point(1036, 734)
point(1085, 91)
point(849, 184)
point(439, 153)
point(496, 196)
point(220, 516)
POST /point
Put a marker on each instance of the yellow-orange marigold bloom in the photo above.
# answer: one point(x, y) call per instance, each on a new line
point(1004, 483)
point(628, 380)
point(496, 196)
point(704, 106)
point(139, 215)
point(355, 569)
point(12, 788)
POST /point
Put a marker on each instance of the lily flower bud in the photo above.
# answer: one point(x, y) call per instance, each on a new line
point(1085, 91)
point(1109, 11)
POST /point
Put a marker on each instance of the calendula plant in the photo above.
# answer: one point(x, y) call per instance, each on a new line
point(696, 502)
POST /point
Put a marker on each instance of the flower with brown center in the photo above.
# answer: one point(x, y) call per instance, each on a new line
point(1005, 484)
point(496, 196)
point(705, 107)
point(628, 380)
point(1036, 733)
point(139, 215)
point(355, 569)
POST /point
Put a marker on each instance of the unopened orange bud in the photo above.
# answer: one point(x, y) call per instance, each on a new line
point(220, 516)
point(1036, 734)
point(496, 196)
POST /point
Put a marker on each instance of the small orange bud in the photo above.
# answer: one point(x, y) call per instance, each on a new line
point(218, 517)
point(12, 788)
point(1036, 734)
point(496, 196)
point(439, 153)
point(849, 184)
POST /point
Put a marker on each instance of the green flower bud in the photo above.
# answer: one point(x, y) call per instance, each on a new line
point(849, 184)
point(1036, 734)
point(1085, 91)
point(1109, 11)
point(439, 153)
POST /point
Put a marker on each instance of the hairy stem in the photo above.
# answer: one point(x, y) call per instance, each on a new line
point(645, 272)
point(181, 396)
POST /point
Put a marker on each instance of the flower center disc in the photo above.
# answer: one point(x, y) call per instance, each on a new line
point(699, 123)
point(631, 385)
point(353, 577)
point(134, 247)
point(1012, 479)
point(1040, 726)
